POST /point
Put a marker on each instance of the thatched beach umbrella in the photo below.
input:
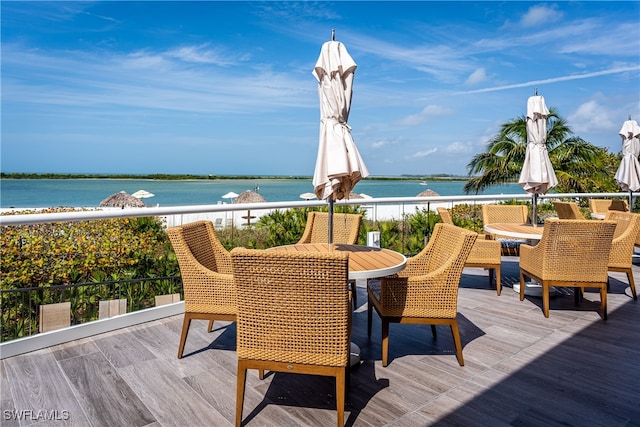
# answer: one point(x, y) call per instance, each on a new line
point(427, 193)
point(249, 197)
point(121, 200)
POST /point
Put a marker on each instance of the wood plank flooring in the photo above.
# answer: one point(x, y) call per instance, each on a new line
point(521, 369)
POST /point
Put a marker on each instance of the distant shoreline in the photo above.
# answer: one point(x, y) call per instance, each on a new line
point(182, 177)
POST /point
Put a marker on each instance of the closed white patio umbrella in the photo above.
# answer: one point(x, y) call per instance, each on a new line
point(339, 166)
point(537, 175)
point(628, 173)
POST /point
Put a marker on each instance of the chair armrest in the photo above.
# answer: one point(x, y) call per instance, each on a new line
point(409, 297)
point(485, 249)
point(201, 286)
point(621, 251)
point(416, 264)
point(530, 258)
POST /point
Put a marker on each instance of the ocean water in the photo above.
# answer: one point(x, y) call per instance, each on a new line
point(39, 193)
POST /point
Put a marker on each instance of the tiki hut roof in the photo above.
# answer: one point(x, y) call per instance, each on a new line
point(249, 197)
point(122, 199)
point(427, 193)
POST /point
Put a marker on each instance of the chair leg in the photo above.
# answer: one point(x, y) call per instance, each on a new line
point(242, 377)
point(632, 284)
point(545, 298)
point(385, 342)
point(434, 333)
point(603, 302)
point(521, 286)
point(354, 293)
point(340, 396)
point(498, 283)
point(456, 339)
point(185, 330)
point(210, 327)
point(369, 316)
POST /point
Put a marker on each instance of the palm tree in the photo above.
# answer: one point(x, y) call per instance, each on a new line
point(579, 165)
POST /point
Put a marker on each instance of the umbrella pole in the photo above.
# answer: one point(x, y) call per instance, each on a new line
point(630, 200)
point(331, 218)
point(534, 216)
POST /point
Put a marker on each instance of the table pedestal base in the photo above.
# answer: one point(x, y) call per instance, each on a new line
point(354, 355)
point(534, 289)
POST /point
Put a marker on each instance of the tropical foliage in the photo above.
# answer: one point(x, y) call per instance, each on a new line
point(71, 252)
point(579, 165)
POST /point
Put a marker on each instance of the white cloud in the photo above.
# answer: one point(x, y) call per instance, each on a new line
point(421, 154)
point(615, 70)
point(427, 112)
point(541, 14)
point(384, 142)
point(590, 116)
point(201, 55)
point(478, 76)
point(458, 147)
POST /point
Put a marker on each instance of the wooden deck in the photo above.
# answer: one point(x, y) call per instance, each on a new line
point(520, 369)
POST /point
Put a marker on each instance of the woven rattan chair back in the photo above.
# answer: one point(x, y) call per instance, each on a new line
point(621, 255)
point(346, 228)
point(571, 253)
point(427, 290)
point(567, 210)
point(202, 241)
point(604, 205)
point(485, 253)
point(293, 316)
point(518, 214)
point(505, 213)
point(445, 215)
point(206, 272)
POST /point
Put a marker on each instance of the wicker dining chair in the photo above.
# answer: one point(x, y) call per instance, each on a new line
point(207, 275)
point(603, 205)
point(346, 229)
point(567, 210)
point(485, 253)
point(621, 255)
point(294, 316)
point(517, 214)
point(426, 291)
point(571, 253)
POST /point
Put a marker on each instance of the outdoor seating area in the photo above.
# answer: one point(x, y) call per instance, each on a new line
point(438, 297)
point(520, 368)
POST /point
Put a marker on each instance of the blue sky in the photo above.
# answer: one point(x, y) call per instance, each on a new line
point(226, 88)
